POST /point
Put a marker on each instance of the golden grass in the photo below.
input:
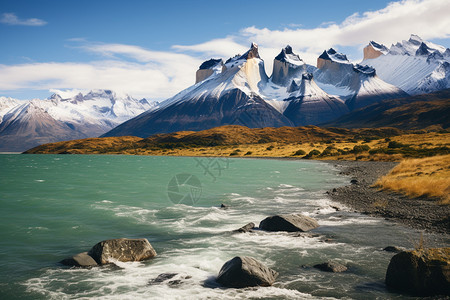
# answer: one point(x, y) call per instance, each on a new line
point(420, 177)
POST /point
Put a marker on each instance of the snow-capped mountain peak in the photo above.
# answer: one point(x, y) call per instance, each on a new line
point(286, 66)
point(55, 119)
point(416, 66)
point(208, 68)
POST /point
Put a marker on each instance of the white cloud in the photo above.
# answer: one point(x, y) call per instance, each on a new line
point(223, 48)
point(12, 19)
point(160, 74)
point(139, 80)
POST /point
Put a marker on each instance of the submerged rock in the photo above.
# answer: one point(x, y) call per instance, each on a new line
point(420, 272)
point(393, 249)
point(244, 271)
point(80, 260)
point(122, 250)
point(289, 222)
point(246, 228)
point(331, 266)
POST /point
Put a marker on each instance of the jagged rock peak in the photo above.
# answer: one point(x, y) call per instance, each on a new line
point(252, 52)
point(208, 68)
point(423, 50)
point(307, 76)
point(415, 39)
point(56, 97)
point(210, 63)
point(332, 55)
point(379, 47)
point(287, 55)
point(364, 69)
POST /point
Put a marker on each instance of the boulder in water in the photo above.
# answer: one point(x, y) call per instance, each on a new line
point(80, 260)
point(122, 250)
point(244, 271)
point(331, 266)
point(246, 228)
point(289, 222)
point(423, 272)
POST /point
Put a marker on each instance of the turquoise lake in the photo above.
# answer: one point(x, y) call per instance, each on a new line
point(55, 206)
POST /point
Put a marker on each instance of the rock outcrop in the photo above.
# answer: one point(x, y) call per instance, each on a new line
point(286, 66)
point(83, 260)
point(122, 250)
point(331, 266)
point(208, 68)
point(374, 50)
point(420, 272)
point(244, 271)
point(289, 222)
point(246, 228)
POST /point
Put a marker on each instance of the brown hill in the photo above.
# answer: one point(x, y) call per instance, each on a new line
point(219, 136)
point(417, 112)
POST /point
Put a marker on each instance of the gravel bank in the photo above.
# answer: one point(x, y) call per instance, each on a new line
point(419, 213)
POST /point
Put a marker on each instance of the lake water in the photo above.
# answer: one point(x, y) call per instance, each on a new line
point(54, 206)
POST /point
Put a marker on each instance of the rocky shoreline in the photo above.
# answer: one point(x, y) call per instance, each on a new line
point(420, 213)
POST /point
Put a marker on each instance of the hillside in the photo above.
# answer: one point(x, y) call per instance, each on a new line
point(232, 140)
point(416, 112)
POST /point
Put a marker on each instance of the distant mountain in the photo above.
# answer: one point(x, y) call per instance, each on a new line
point(416, 66)
point(417, 112)
point(24, 124)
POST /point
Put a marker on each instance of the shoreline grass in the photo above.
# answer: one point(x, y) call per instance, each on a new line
point(429, 177)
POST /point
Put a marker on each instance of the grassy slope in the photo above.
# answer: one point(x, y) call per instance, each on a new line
point(420, 177)
point(417, 112)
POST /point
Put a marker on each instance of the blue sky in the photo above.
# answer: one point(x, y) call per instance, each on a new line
point(152, 48)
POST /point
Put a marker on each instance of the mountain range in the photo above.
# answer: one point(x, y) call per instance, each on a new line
point(25, 124)
point(238, 92)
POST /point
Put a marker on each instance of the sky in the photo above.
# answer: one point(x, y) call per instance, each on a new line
point(152, 49)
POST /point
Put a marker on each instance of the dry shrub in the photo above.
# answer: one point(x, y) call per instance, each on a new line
point(420, 177)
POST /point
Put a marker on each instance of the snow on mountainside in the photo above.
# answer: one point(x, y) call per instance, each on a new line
point(242, 94)
point(357, 84)
point(415, 65)
point(25, 124)
point(229, 97)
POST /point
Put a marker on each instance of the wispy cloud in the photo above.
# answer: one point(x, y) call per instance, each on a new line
point(161, 74)
point(12, 19)
point(427, 18)
point(152, 74)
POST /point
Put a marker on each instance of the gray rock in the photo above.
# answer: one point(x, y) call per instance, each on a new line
point(393, 249)
point(80, 260)
point(290, 223)
point(246, 228)
point(331, 266)
point(122, 250)
point(420, 272)
point(244, 271)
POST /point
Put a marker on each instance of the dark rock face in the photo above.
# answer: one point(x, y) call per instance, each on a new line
point(394, 249)
point(304, 113)
point(234, 108)
point(122, 250)
point(209, 63)
point(420, 272)
point(244, 271)
point(252, 53)
point(80, 260)
point(331, 267)
point(246, 228)
point(290, 223)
